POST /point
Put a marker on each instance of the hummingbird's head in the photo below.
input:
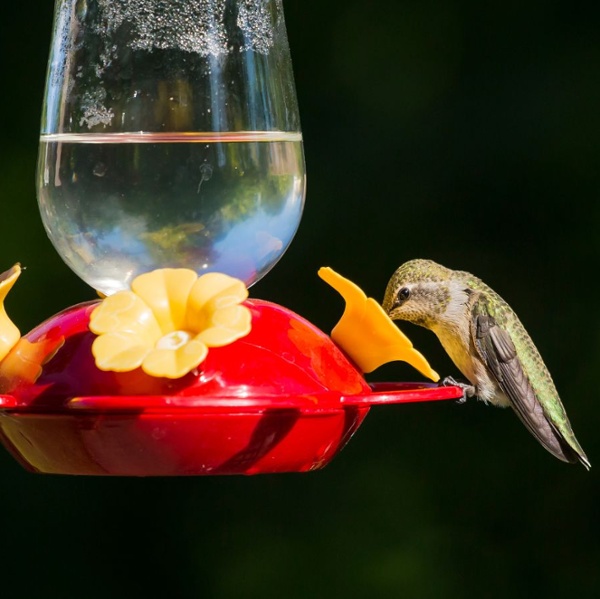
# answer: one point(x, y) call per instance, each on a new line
point(424, 293)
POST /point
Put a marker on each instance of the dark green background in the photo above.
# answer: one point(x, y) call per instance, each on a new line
point(467, 132)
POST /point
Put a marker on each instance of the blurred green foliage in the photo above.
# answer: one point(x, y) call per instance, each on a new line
point(463, 131)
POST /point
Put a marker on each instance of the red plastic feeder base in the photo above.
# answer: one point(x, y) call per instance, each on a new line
point(282, 399)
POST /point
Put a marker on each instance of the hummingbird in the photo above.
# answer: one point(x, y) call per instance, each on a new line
point(488, 344)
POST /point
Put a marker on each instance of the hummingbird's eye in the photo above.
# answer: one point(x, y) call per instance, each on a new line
point(403, 294)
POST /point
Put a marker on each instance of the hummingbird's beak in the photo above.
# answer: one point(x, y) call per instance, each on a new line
point(390, 307)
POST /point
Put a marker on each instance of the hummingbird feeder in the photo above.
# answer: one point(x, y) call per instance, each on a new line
point(171, 178)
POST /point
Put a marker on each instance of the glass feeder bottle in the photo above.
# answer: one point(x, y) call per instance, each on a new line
point(170, 137)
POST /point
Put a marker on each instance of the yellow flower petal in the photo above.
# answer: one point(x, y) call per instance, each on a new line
point(9, 333)
point(226, 325)
point(367, 334)
point(127, 313)
point(166, 292)
point(120, 351)
point(211, 292)
point(174, 364)
point(24, 362)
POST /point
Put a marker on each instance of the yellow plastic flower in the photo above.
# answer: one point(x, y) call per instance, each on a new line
point(167, 322)
point(9, 333)
point(21, 360)
point(366, 333)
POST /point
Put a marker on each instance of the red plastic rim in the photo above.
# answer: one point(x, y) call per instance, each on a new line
point(382, 394)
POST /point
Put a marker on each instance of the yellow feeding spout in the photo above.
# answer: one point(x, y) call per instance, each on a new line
point(367, 334)
point(9, 333)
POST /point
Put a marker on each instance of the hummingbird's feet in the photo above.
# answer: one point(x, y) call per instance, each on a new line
point(467, 389)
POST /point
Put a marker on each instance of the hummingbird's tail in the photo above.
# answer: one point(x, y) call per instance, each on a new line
point(567, 450)
point(573, 451)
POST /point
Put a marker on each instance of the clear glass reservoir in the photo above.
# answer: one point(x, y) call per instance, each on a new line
point(170, 138)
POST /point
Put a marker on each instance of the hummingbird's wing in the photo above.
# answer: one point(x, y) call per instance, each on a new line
point(499, 354)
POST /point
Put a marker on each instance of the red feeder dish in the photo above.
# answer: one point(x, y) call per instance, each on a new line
point(284, 398)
